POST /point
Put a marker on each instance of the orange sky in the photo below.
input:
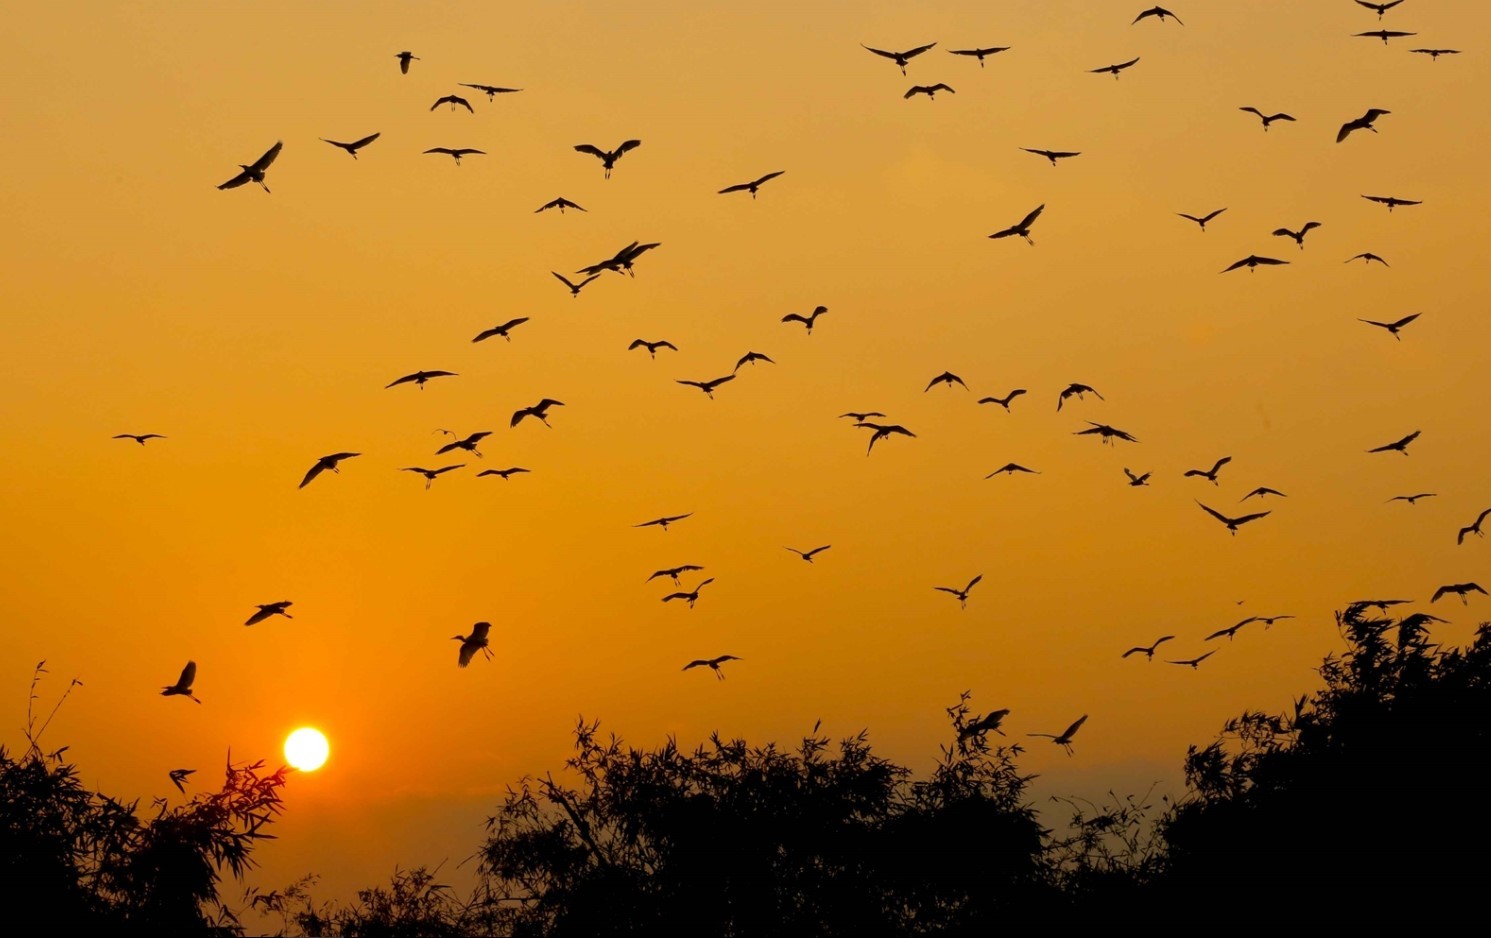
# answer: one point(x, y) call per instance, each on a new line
point(258, 331)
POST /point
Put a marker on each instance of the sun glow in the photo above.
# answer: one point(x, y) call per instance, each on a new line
point(306, 749)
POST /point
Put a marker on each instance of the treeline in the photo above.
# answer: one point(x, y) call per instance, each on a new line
point(1363, 808)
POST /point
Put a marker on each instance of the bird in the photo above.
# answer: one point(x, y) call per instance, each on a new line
point(651, 347)
point(1022, 228)
point(324, 463)
point(254, 172)
point(1078, 390)
point(1002, 401)
point(139, 437)
point(808, 554)
point(456, 153)
point(861, 418)
point(1108, 434)
point(608, 158)
point(929, 90)
point(1202, 220)
point(900, 58)
point(984, 724)
point(1413, 499)
point(560, 203)
point(752, 186)
point(183, 685)
point(1474, 528)
point(1009, 469)
point(1210, 474)
point(807, 320)
point(1147, 650)
point(1194, 662)
point(1053, 155)
point(622, 260)
point(962, 594)
point(1391, 201)
point(692, 596)
point(270, 609)
point(430, 474)
point(1114, 69)
point(1364, 122)
point(1232, 523)
point(1136, 480)
point(674, 572)
point(539, 410)
point(574, 288)
point(1268, 621)
point(1392, 327)
point(882, 432)
point(1400, 446)
point(1367, 257)
point(355, 145)
point(501, 330)
point(453, 100)
point(419, 378)
point(471, 644)
point(1298, 236)
point(1065, 739)
point(947, 378)
point(1381, 8)
point(662, 522)
point(708, 386)
point(504, 473)
point(492, 91)
point(1159, 12)
point(1385, 34)
point(750, 358)
point(980, 53)
point(1434, 54)
point(178, 777)
point(1231, 630)
point(711, 663)
point(468, 444)
point(1261, 491)
point(404, 58)
point(1459, 589)
point(1252, 261)
point(1268, 118)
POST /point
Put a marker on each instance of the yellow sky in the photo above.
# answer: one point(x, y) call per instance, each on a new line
point(258, 331)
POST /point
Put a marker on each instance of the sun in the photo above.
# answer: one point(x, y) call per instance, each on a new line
point(306, 749)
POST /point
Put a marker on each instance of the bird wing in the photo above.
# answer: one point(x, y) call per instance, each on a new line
point(770, 176)
point(1221, 462)
point(359, 144)
point(795, 317)
point(188, 675)
point(237, 181)
point(918, 50)
point(1251, 109)
point(940, 86)
point(406, 378)
point(888, 55)
point(1071, 730)
point(628, 145)
point(1252, 517)
point(1122, 65)
point(1308, 225)
point(513, 322)
point(1217, 515)
point(1134, 650)
point(262, 163)
point(462, 101)
point(817, 550)
point(915, 89)
point(1036, 213)
point(948, 589)
point(694, 384)
point(973, 582)
point(696, 663)
point(592, 150)
point(259, 616)
point(1406, 320)
point(679, 596)
point(314, 471)
point(737, 188)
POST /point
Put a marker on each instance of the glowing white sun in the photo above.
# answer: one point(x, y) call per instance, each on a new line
point(306, 749)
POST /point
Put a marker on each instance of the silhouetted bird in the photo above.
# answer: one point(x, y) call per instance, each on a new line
point(608, 158)
point(1268, 118)
point(404, 58)
point(750, 358)
point(662, 522)
point(1459, 589)
point(456, 153)
point(1065, 739)
point(560, 203)
point(1079, 390)
point(1159, 12)
point(501, 330)
point(539, 410)
point(1202, 220)
point(1147, 650)
point(882, 432)
point(1385, 34)
point(751, 187)
point(1009, 469)
point(984, 724)
point(708, 386)
point(900, 58)
point(1261, 491)
point(1298, 236)
point(473, 643)
point(1364, 122)
point(980, 53)
point(1268, 621)
point(622, 260)
point(929, 90)
point(1210, 474)
point(1381, 8)
point(1231, 630)
point(430, 474)
point(1434, 54)
point(711, 663)
point(1413, 499)
point(808, 554)
point(504, 473)
point(1391, 201)
point(1392, 327)
point(1474, 528)
point(1232, 523)
point(1194, 662)
point(178, 777)
point(1107, 433)
point(675, 571)
point(861, 418)
point(1002, 401)
point(139, 437)
point(1367, 257)
point(651, 347)
point(1022, 228)
point(690, 597)
point(254, 172)
point(491, 91)
point(947, 378)
point(962, 594)
point(270, 609)
point(574, 288)
point(1400, 446)
point(355, 145)
point(807, 320)
point(183, 685)
point(1136, 480)
point(1252, 261)
point(419, 378)
point(324, 463)
point(1113, 69)
point(1053, 155)
point(453, 100)
point(468, 444)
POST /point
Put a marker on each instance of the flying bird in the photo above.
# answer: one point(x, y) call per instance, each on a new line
point(1114, 69)
point(1065, 739)
point(1194, 662)
point(325, 463)
point(1298, 236)
point(1400, 446)
point(1231, 630)
point(419, 378)
point(501, 330)
point(1022, 228)
point(183, 685)
point(1393, 327)
point(984, 724)
point(254, 172)
point(1261, 491)
point(178, 778)
point(962, 594)
point(808, 554)
point(1434, 54)
point(539, 410)
point(861, 418)
point(1268, 118)
point(1367, 257)
point(1385, 34)
point(1413, 499)
point(1364, 122)
point(404, 58)
point(1210, 474)
point(1391, 201)
point(1474, 528)
point(1147, 650)
point(807, 320)
point(900, 58)
point(1158, 12)
point(674, 572)
point(651, 347)
point(453, 100)
point(574, 288)
point(1268, 621)
point(491, 91)
point(1136, 480)
point(270, 609)
point(980, 53)
point(1078, 390)
point(1459, 589)
point(929, 90)
point(662, 522)
point(468, 444)
point(711, 663)
point(1009, 469)
point(750, 358)
point(430, 474)
point(456, 153)
point(692, 596)
point(1381, 8)
point(355, 145)
point(947, 378)
point(1252, 261)
point(752, 186)
point(1002, 401)
point(504, 473)
point(560, 203)
point(471, 644)
point(708, 386)
point(1053, 155)
point(1202, 220)
point(882, 432)
point(139, 437)
point(608, 158)
point(622, 260)
point(1108, 434)
point(1232, 523)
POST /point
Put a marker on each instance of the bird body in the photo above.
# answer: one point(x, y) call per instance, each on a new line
point(1392, 327)
point(1459, 589)
point(691, 596)
point(473, 643)
point(1194, 662)
point(139, 437)
point(1108, 434)
point(254, 172)
point(750, 358)
point(1231, 630)
point(453, 100)
point(1412, 499)
point(662, 522)
point(901, 58)
point(404, 59)
point(1381, 8)
point(673, 572)
point(882, 432)
point(752, 186)
point(1136, 480)
point(1002, 401)
point(560, 203)
point(457, 152)
point(1009, 469)
point(711, 663)
point(808, 554)
point(574, 288)
point(1385, 34)
point(1022, 228)
point(1203, 219)
point(1159, 13)
point(419, 378)
point(608, 158)
point(1267, 118)
point(468, 444)
point(183, 685)
point(708, 386)
point(491, 91)
point(1261, 491)
point(1472, 528)
point(325, 463)
point(807, 320)
point(1434, 54)
point(504, 473)
point(1210, 474)
point(1252, 261)
point(861, 418)
point(431, 474)
point(1065, 739)
point(1232, 523)
point(1076, 389)
point(962, 594)
point(1298, 236)
point(1391, 201)
point(1364, 122)
point(1400, 446)
point(947, 378)
point(539, 410)
point(1367, 257)
point(1147, 650)
point(651, 347)
point(1114, 69)
point(1053, 155)
point(984, 724)
point(501, 330)
point(929, 90)
point(355, 145)
point(270, 609)
point(980, 53)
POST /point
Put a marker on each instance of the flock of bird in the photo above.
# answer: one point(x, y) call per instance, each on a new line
point(623, 261)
